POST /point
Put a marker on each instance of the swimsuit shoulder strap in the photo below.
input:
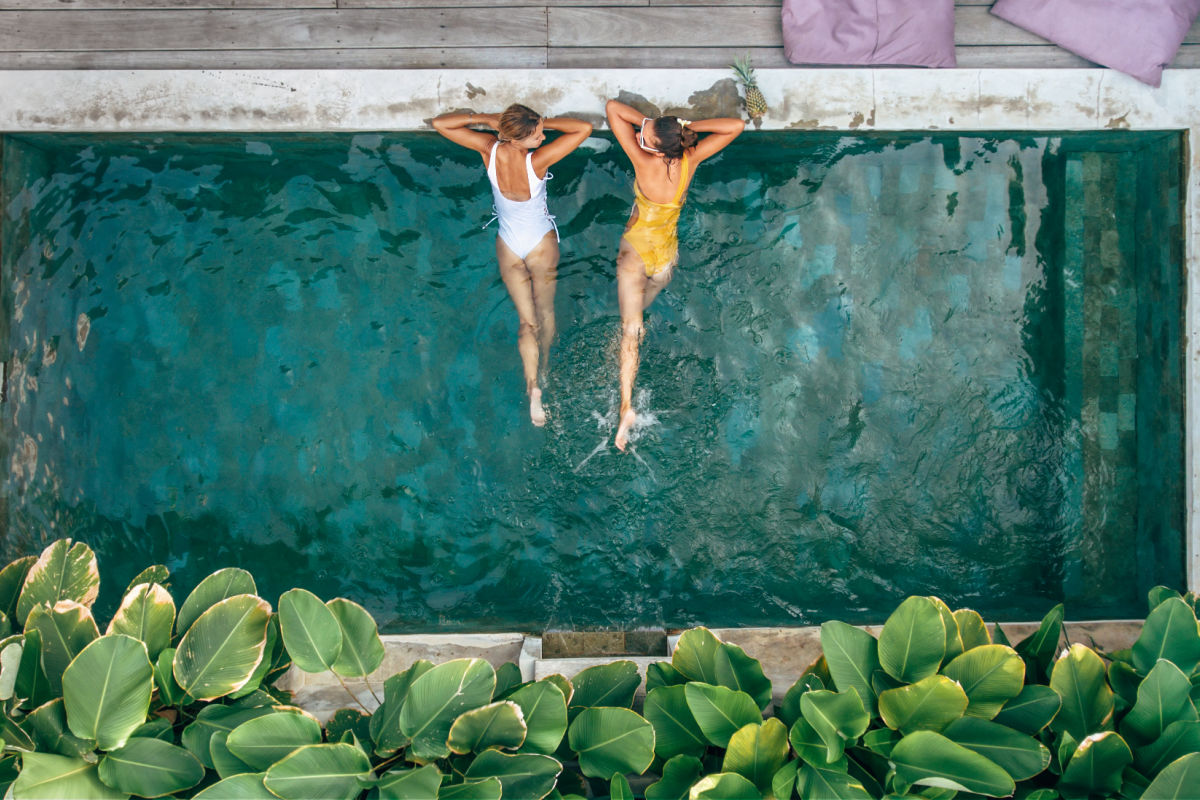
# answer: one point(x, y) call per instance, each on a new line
point(529, 172)
point(491, 165)
point(683, 177)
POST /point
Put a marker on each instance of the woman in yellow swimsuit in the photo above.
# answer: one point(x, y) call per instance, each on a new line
point(665, 153)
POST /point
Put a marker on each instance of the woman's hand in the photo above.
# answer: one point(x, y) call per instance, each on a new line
point(456, 128)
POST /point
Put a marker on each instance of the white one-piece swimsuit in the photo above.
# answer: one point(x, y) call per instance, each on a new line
point(523, 223)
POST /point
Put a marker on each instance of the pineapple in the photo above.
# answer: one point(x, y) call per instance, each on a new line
point(756, 104)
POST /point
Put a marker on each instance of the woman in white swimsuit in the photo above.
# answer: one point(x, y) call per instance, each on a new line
point(527, 247)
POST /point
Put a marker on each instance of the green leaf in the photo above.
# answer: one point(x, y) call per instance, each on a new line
point(724, 786)
point(1178, 781)
point(11, 650)
point(13, 737)
point(12, 578)
point(411, 784)
point(758, 751)
point(169, 690)
point(880, 741)
point(618, 788)
point(971, 628)
point(926, 758)
point(954, 642)
point(262, 741)
point(852, 655)
point(508, 679)
point(783, 782)
point(814, 782)
point(223, 759)
point(1031, 710)
point(1179, 739)
point(913, 641)
point(789, 710)
point(497, 725)
point(678, 775)
point(1158, 594)
point(929, 704)
point(221, 585)
point(147, 613)
point(436, 699)
point(238, 787)
point(311, 632)
point(49, 777)
point(489, 789)
point(65, 630)
point(221, 649)
point(1019, 755)
point(385, 722)
point(612, 741)
point(1161, 699)
point(838, 718)
point(1042, 644)
point(362, 650)
point(107, 690)
point(257, 677)
point(150, 768)
point(524, 775)
point(720, 712)
point(661, 673)
point(1078, 677)
point(701, 656)
point(1096, 766)
point(990, 674)
point(153, 574)
point(156, 728)
point(1169, 632)
point(563, 685)
point(606, 685)
point(1124, 680)
point(319, 772)
point(64, 571)
point(545, 711)
point(211, 720)
point(675, 729)
point(47, 725)
point(807, 743)
point(349, 720)
point(31, 679)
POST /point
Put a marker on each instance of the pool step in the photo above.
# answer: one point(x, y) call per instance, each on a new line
point(784, 653)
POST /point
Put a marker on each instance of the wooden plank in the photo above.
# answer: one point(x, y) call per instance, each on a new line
point(1012, 56)
point(976, 25)
point(661, 57)
point(776, 3)
point(179, 5)
point(23, 31)
point(488, 3)
point(360, 58)
point(665, 26)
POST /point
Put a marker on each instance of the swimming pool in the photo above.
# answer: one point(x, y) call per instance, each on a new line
point(889, 364)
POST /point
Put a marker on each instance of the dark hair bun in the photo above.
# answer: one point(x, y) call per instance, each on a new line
point(688, 138)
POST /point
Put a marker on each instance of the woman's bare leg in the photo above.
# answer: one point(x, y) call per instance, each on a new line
point(634, 293)
point(516, 277)
point(542, 263)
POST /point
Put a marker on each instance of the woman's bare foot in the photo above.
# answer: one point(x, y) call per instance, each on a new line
point(627, 422)
point(537, 414)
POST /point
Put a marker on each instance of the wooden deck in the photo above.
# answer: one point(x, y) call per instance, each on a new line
point(430, 34)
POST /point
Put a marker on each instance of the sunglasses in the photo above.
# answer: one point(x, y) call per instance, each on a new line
point(642, 137)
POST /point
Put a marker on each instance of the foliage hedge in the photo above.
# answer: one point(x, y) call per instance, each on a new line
point(180, 701)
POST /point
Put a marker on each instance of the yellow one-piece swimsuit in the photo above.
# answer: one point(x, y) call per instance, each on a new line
point(653, 235)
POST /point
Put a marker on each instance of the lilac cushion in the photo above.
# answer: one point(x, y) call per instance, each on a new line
point(914, 32)
point(1137, 37)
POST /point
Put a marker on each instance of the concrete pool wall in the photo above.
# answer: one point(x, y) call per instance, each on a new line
point(851, 100)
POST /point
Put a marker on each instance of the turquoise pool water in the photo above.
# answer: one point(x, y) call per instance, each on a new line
point(888, 364)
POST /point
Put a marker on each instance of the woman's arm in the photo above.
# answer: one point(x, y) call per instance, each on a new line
point(454, 127)
point(623, 120)
point(574, 131)
point(721, 132)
